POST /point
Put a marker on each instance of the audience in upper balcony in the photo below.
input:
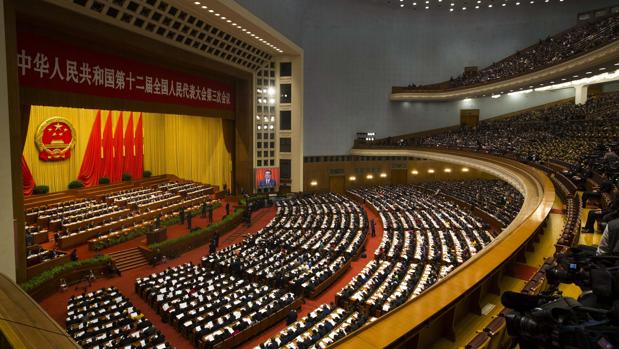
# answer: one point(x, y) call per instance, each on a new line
point(577, 40)
point(578, 137)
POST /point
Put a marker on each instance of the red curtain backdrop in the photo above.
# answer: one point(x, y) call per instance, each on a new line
point(118, 150)
point(108, 148)
point(139, 150)
point(28, 179)
point(129, 162)
point(92, 165)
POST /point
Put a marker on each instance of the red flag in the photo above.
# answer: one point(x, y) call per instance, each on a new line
point(139, 149)
point(92, 166)
point(108, 149)
point(117, 173)
point(28, 180)
point(129, 161)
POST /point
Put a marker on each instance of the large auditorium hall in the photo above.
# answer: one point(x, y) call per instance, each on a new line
point(308, 174)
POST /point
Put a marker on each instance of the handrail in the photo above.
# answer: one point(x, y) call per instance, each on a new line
point(410, 318)
point(23, 323)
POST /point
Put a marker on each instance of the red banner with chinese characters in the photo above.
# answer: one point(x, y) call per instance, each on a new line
point(54, 65)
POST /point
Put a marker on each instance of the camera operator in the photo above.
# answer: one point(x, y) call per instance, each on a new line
point(609, 244)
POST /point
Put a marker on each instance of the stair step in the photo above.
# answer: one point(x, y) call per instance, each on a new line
point(129, 259)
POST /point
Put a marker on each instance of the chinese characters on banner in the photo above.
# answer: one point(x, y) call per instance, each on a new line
point(50, 64)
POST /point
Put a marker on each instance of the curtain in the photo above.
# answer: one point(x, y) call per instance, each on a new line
point(117, 171)
point(129, 160)
point(195, 148)
point(139, 150)
point(191, 147)
point(28, 180)
point(108, 148)
point(92, 166)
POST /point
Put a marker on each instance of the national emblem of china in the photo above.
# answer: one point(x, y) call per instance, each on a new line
point(55, 138)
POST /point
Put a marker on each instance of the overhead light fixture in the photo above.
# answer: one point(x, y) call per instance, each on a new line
point(430, 170)
point(369, 176)
point(383, 175)
point(352, 178)
point(496, 96)
point(465, 169)
point(415, 172)
point(314, 183)
point(447, 170)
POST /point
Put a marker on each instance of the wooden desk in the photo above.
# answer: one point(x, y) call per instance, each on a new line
point(157, 235)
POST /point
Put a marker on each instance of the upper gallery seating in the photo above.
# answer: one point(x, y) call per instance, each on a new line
point(210, 307)
point(310, 240)
point(107, 319)
point(575, 41)
point(495, 197)
point(576, 144)
point(575, 136)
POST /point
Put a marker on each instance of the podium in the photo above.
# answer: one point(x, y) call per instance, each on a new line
point(156, 235)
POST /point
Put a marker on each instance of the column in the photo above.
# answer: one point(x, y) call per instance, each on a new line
point(12, 253)
point(580, 94)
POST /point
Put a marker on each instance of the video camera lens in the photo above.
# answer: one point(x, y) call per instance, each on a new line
point(520, 325)
point(557, 276)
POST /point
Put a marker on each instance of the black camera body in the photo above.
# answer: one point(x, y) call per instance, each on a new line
point(550, 320)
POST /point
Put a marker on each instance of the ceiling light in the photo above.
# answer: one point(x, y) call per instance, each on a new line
point(369, 176)
point(415, 172)
point(383, 175)
point(447, 170)
point(430, 170)
point(314, 183)
point(352, 178)
point(465, 169)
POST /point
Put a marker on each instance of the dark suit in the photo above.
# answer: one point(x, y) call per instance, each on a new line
point(263, 183)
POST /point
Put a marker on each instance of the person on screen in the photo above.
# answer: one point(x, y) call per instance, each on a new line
point(268, 181)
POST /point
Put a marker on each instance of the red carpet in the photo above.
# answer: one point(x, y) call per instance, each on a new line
point(557, 211)
point(521, 271)
point(56, 304)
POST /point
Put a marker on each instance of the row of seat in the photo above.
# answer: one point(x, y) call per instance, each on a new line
point(210, 307)
point(107, 319)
